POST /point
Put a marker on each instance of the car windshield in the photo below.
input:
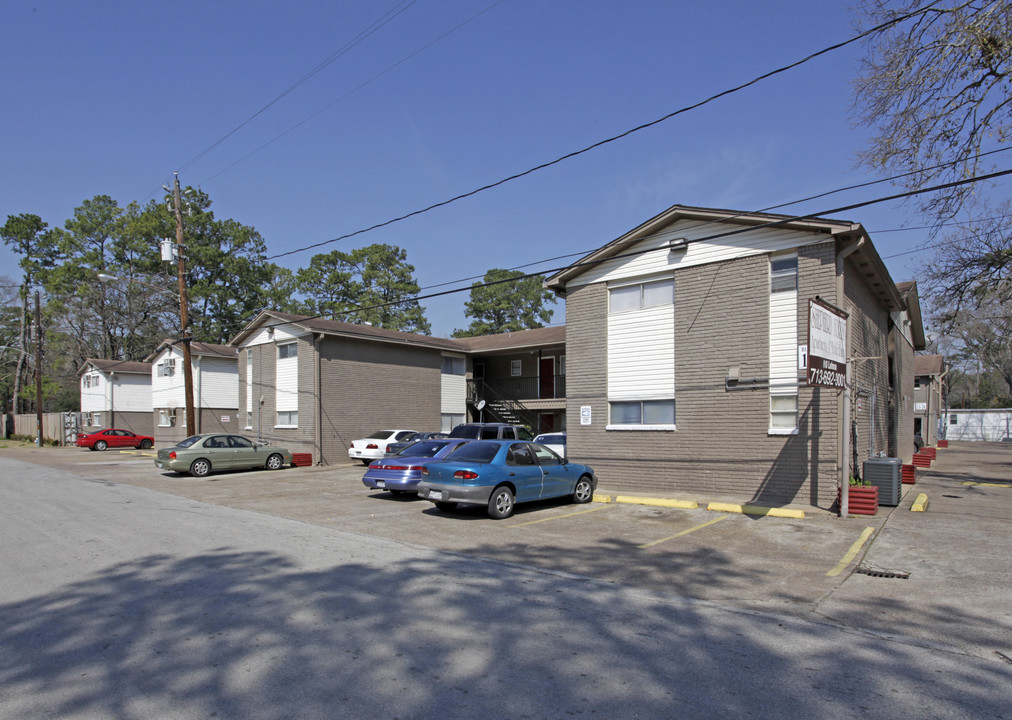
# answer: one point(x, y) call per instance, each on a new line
point(478, 452)
point(551, 439)
point(465, 431)
point(188, 441)
point(425, 448)
point(380, 435)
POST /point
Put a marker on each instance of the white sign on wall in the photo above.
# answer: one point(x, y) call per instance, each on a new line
point(585, 414)
point(827, 346)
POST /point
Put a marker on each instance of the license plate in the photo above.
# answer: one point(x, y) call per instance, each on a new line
point(380, 483)
point(435, 494)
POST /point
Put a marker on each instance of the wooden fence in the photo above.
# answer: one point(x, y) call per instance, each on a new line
point(57, 428)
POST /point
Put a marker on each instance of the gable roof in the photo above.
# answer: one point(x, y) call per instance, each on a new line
point(341, 329)
point(518, 340)
point(131, 367)
point(197, 348)
point(908, 290)
point(862, 253)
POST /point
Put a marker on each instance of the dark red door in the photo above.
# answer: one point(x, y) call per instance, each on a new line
point(546, 378)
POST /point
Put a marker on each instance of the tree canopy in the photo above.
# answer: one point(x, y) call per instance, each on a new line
point(934, 89)
point(374, 284)
point(507, 301)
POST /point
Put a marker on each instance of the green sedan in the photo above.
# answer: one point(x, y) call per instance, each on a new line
point(200, 454)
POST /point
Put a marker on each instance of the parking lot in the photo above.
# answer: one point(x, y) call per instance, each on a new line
point(955, 556)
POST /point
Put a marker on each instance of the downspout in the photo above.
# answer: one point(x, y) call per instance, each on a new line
point(112, 399)
point(318, 404)
point(198, 403)
point(844, 458)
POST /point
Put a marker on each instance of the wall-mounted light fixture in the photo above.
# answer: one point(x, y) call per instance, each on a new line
point(678, 245)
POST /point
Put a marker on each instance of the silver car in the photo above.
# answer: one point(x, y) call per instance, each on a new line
point(200, 454)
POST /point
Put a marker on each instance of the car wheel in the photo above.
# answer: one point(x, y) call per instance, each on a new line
point(446, 506)
point(101, 445)
point(584, 491)
point(365, 461)
point(146, 444)
point(200, 467)
point(500, 505)
point(275, 461)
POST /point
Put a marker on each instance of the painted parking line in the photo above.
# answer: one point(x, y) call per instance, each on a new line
point(852, 553)
point(685, 532)
point(1001, 485)
point(560, 517)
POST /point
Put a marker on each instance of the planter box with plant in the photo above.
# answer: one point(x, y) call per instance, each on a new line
point(862, 497)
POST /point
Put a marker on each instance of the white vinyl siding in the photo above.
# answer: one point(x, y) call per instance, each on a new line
point(93, 395)
point(783, 343)
point(287, 387)
point(248, 354)
point(453, 386)
point(641, 355)
point(119, 392)
point(641, 261)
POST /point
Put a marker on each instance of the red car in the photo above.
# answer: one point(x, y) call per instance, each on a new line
point(113, 438)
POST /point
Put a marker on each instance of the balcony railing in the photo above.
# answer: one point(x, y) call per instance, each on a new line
point(521, 388)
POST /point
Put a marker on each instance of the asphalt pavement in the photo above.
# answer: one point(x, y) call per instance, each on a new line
point(938, 577)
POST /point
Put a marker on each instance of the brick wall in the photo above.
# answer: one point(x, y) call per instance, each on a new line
point(721, 447)
point(868, 329)
point(370, 386)
point(265, 360)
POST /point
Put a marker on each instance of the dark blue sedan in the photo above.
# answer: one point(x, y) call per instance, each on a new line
point(401, 472)
point(498, 474)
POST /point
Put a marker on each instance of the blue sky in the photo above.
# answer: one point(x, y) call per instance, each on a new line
point(113, 97)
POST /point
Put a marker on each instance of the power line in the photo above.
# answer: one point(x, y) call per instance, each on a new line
point(635, 253)
point(612, 139)
point(351, 92)
point(371, 29)
point(767, 209)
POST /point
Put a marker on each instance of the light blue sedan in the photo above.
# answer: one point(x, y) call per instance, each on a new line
point(401, 472)
point(498, 474)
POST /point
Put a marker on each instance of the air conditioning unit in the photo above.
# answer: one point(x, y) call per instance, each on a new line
point(887, 475)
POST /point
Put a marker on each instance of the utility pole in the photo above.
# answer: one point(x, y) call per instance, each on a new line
point(38, 367)
point(184, 320)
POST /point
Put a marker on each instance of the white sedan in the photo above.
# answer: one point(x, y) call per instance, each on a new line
point(556, 442)
point(375, 446)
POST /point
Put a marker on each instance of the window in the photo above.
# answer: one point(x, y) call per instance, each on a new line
point(167, 367)
point(96, 419)
point(783, 346)
point(641, 356)
point(288, 350)
point(644, 295)
point(288, 418)
point(453, 365)
point(448, 421)
point(516, 367)
point(954, 419)
point(249, 419)
point(166, 418)
point(783, 412)
point(783, 273)
point(658, 413)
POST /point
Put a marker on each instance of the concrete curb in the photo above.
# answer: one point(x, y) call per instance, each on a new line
point(756, 510)
point(742, 508)
point(920, 504)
